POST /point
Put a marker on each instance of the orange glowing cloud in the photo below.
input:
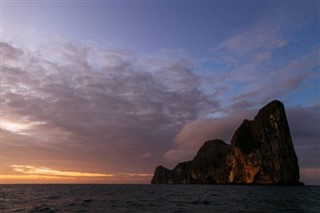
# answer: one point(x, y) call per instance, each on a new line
point(135, 174)
point(51, 172)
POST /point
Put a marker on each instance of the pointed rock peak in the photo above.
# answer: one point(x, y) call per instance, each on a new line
point(274, 103)
point(271, 107)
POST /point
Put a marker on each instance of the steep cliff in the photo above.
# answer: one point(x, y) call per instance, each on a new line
point(261, 152)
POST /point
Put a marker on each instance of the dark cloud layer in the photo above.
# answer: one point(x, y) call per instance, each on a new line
point(113, 109)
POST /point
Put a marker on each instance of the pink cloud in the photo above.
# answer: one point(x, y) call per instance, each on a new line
point(195, 133)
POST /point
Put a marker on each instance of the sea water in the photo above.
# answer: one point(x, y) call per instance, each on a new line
point(158, 198)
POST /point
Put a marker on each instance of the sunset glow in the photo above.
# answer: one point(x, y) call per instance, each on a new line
point(31, 174)
point(46, 171)
point(9, 179)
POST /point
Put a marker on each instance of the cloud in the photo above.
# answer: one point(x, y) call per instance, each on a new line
point(31, 170)
point(95, 105)
point(265, 86)
point(248, 47)
point(261, 36)
point(195, 133)
point(51, 172)
point(257, 63)
point(248, 71)
point(145, 155)
point(19, 128)
point(9, 52)
point(135, 175)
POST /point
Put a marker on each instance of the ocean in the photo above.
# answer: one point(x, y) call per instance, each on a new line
point(158, 198)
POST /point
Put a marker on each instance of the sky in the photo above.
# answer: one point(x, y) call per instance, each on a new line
point(105, 91)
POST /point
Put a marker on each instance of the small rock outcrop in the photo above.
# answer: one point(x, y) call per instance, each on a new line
point(261, 152)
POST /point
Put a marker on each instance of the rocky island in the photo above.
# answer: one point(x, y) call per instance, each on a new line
point(261, 152)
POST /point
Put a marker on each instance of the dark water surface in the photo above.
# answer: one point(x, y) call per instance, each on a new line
point(158, 198)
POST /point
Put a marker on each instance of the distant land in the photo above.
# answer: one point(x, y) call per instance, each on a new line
point(261, 152)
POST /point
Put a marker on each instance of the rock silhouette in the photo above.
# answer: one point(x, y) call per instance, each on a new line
point(261, 152)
